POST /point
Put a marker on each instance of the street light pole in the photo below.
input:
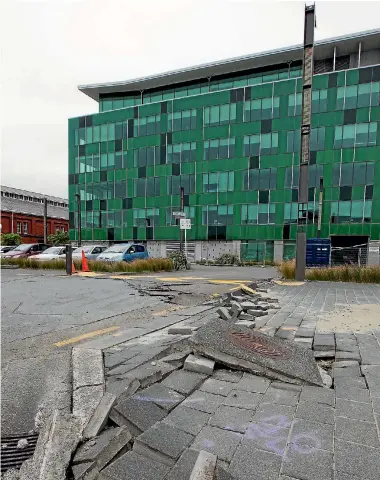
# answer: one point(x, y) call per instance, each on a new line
point(181, 209)
point(79, 218)
point(308, 47)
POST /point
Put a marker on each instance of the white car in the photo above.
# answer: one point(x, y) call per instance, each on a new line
point(91, 252)
point(52, 253)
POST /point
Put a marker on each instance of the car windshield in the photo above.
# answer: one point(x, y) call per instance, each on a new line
point(85, 249)
point(52, 250)
point(23, 248)
point(116, 249)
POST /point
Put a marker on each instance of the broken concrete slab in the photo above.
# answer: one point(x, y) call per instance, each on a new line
point(87, 367)
point(184, 466)
point(251, 351)
point(184, 381)
point(177, 359)
point(204, 468)
point(80, 470)
point(163, 443)
point(246, 316)
point(116, 358)
point(85, 402)
point(162, 396)
point(246, 323)
point(138, 415)
point(257, 313)
point(198, 364)
point(120, 442)
point(187, 419)
point(132, 466)
point(89, 450)
point(223, 313)
point(100, 416)
point(122, 387)
point(247, 305)
point(147, 374)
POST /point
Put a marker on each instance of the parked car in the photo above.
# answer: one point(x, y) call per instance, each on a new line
point(91, 252)
point(52, 253)
point(126, 252)
point(5, 249)
point(26, 250)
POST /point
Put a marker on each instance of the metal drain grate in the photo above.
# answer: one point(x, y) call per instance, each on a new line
point(13, 457)
point(259, 345)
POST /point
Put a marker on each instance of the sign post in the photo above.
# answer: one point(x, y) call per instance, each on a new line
point(185, 224)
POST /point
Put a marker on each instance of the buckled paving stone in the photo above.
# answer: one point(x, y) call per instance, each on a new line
point(227, 375)
point(122, 386)
point(304, 342)
point(352, 393)
point(246, 316)
point(187, 419)
point(242, 399)
point(203, 401)
point(286, 386)
point(257, 313)
point(253, 383)
point(219, 442)
point(162, 396)
point(81, 469)
point(100, 416)
point(357, 431)
point(199, 364)
point(354, 410)
point(231, 419)
point(117, 358)
point(318, 394)
point(273, 414)
point(287, 333)
point(89, 450)
point(305, 332)
point(132, 466)
point(316, 465)
point(269, 331)
point(177, 359)
point(253, 464)
point(341, 356)
point(218, 387)
point(357, 460)
point(344, 382)
point(315, 412)
point(324, 341)
point(346, 369)
point(246, 323)
point(224, 313)
point(137, 415)
point(184, 465)
point(85, 401)
point(325, 354)
point(281, 396)
point(184, 381)
point(162, 442)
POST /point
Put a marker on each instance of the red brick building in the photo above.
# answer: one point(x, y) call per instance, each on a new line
point(22, 212)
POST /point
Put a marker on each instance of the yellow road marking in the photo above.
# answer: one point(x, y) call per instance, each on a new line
point(290, 283)
point(230, 282)
point(170, 279)
point(90, 274)
point(95, 333)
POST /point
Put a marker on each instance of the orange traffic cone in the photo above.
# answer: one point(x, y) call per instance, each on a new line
point(73, 269)
point(84, 263)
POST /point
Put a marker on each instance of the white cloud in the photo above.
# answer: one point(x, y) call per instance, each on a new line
point(49, 47)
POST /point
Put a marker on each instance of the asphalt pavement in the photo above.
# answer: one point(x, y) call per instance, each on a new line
point(45, 314)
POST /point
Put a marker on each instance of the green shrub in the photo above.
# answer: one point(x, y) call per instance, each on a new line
point(179, 261)
point(10, 239)
point(227, 259)
point(59, 238)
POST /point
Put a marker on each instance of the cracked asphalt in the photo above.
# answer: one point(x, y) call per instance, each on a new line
point(41, 308)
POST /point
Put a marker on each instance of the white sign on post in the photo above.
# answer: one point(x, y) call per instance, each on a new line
point(185, 223)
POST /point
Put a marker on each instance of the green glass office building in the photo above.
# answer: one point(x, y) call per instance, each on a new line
point(229, 134)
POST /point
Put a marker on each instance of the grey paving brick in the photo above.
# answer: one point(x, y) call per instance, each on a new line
point(370, 355)
point(308, 463)
point(203, 401)
point(306, 434)
point(187, 419)
point(89, 450)
point(347, 368)
point(132, 466)
point(352, 393)
point(183, 382)
point(347, 346)
point(304, 342)
point(231, 418)
point(376, 404)
point(253, 383)
point(346, 476)
point(117, 358)
point(218, 387)
point(324, 341)
point(355, 410)
point(325, 354)
point(357, 460)
point(318, 394)
point(273, 414)
point(316, 412)
point(219, 442)
point(287, 333)
point(253, 464)
point(357, 431)
point(162, 442)
point(341, 356)
point(305, 332)
point(242, 399)
point(161, 396)
point(271, 438)
point(227, 375)
point(281, 396)
point(344, 382)
point(184, 465)
point(287, 386)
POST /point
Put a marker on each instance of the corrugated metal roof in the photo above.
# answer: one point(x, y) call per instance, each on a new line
point(323, 49)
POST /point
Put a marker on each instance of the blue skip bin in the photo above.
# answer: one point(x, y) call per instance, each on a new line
point(318, 252)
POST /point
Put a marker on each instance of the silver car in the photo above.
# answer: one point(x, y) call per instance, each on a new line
point(91, 252)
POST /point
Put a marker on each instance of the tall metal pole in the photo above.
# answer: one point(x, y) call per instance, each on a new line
point(79, 218)
point(181, 209)
point(308, 46)
point(320, 202)
point(45, 220)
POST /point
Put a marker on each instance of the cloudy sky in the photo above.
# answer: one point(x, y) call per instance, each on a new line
point(51, 46)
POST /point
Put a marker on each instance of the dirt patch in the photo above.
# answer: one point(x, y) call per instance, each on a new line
point(357, 318)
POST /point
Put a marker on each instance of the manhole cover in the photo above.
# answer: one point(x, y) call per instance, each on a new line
point(13, 457)
point(259, 345)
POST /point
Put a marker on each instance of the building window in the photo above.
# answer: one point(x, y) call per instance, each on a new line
point(218, 215)
point(19, 228)
point(143, 157)
point(357, 96)
point(319, 101)
point(293, 141)
point(261, 109)
point(25, 228)
point(295, 104)
point(147, 125)
point(356, 211)
point(184, 120)
point(292, 176)
point(260, 179)
point(349, 174)
point(262, 214)
point(145, 217)
point(181, 152)
point(175, 183)
point(317, 139)
point(218, 182)
point(219, 148)
point(219, 114)
point(147, 187)
point(355, 135)
point(264, 144)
